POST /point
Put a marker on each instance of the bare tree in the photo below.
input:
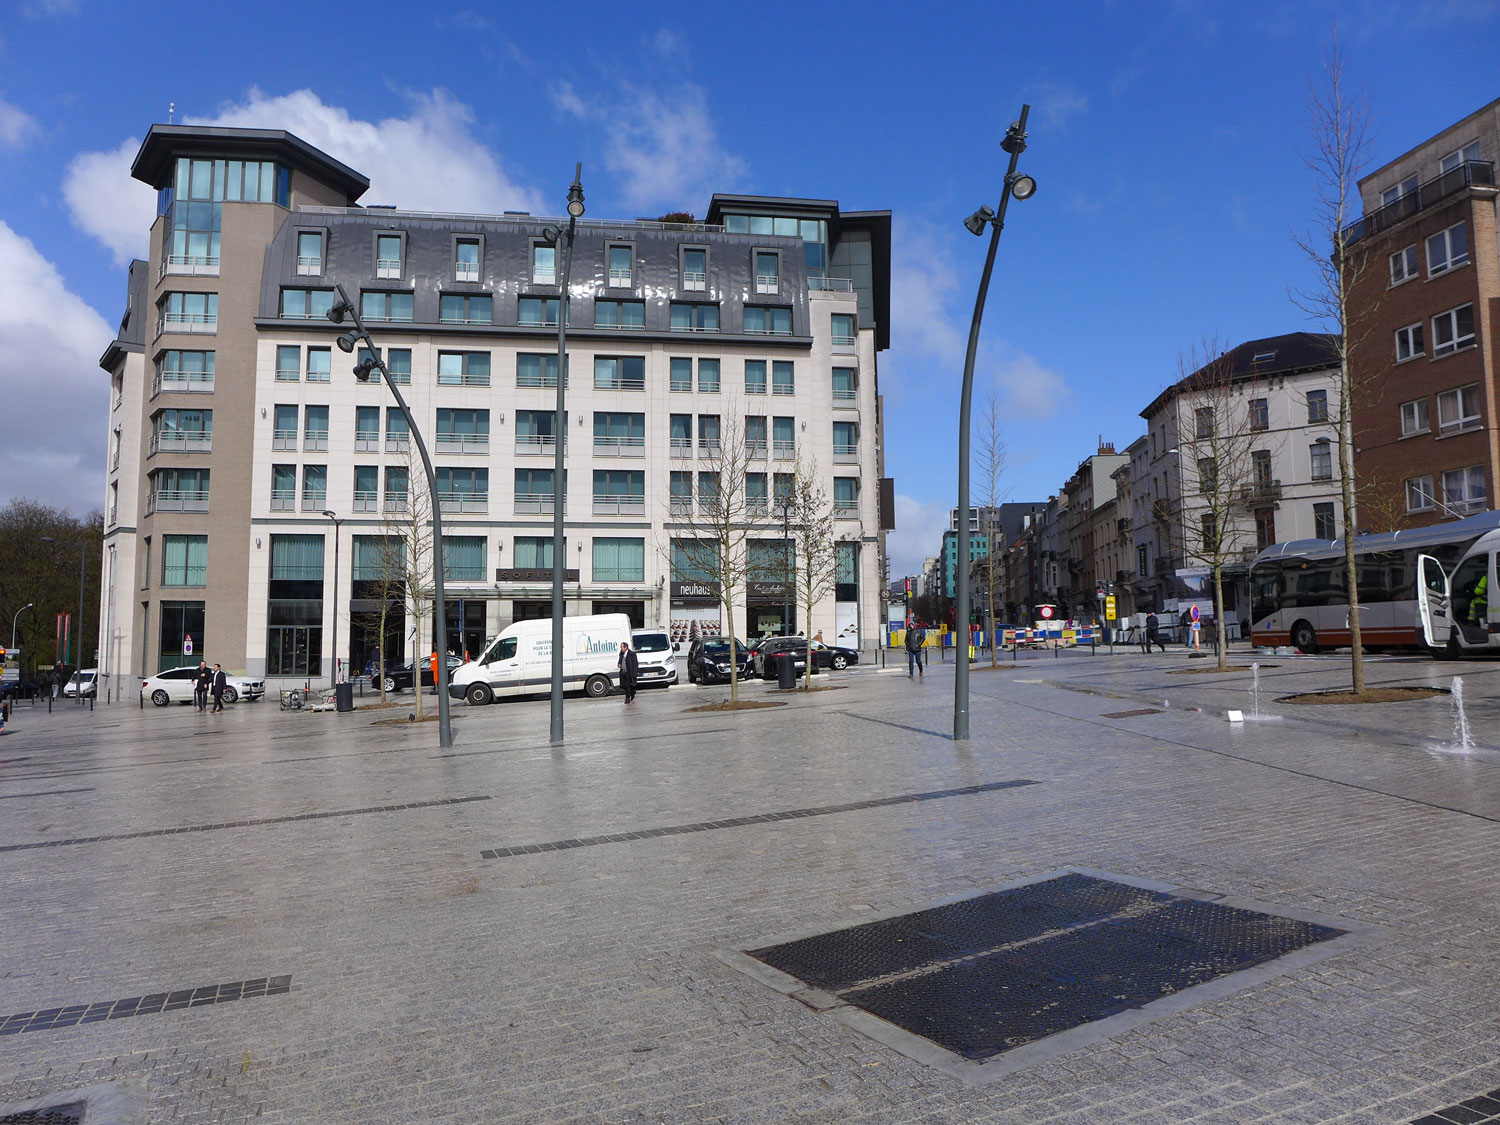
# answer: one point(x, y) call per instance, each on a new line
point(815, 543)
point(1339, 121)
point(402, 566)
point(991, 471)
point(1222, 476)
point(710, 531)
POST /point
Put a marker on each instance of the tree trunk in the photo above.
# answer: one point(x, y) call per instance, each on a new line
point(1346, 490)
point(380, 659)
point(1219, 617)
point(734, 656)
point(994, 648)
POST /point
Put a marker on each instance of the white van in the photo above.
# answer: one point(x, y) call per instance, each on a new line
point(519, 660)
point(653, 651)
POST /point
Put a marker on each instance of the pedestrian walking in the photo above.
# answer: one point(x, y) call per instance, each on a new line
point(916, 637)
point(1153, 634)
point(219, 684)
point(630, 670)
point(203, 681)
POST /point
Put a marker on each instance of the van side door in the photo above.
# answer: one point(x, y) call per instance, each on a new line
point(1433, 602)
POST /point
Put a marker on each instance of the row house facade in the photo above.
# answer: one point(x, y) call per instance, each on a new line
point(252, 480)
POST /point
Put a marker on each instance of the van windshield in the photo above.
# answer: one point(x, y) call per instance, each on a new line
point(652, 642)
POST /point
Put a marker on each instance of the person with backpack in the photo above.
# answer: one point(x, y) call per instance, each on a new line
point(1153, 634)
point(916, 637)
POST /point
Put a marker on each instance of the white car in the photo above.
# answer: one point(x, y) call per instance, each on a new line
point(85, 683)
point(175, 685)
point(654, 654)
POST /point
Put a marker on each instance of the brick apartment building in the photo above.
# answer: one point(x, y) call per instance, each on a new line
point(1423, 329)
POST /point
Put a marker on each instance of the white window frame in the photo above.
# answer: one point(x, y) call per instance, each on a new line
point(1326, 448)
point(1457, 343)
point(1415, 418)
point(1420, 488)
point(1436, 266)
point(1410, 340)
point(1405, 265)
point(537, 276)
point(1468, 502)
point(1454, 398)
point(1459, 156)
point(1399, 191)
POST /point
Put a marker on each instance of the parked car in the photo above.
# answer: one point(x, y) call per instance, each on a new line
point(837, 657)
point(84, 683)
point(20, 689)
point(399, 679)
point(653, 651)
point(775, 649)
point(708, 660)
point(175, 685)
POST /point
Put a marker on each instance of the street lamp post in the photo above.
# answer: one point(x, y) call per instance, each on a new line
point(83, 549)
point(334, 647)
point(23, 609)
point(1022, 187)
point(555, 237)
point(370, 363)
point(786, 566)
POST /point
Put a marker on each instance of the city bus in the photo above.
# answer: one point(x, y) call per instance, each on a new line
point(1423, 588)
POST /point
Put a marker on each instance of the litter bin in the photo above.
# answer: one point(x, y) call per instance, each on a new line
point(343, 696)
point(786, 671)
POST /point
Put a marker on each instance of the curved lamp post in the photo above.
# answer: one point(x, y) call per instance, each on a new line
point(1021, 187)
point(333, 675)
point(15, 618)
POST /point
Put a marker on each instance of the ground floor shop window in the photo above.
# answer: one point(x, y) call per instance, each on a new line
point(294, 637)
point(636, 611)
point(465, 634)
point(179, 622)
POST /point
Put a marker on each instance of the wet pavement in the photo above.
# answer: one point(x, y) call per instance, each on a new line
point(289, 917)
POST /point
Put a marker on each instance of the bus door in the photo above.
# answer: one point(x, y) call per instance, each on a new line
point(1432, 602)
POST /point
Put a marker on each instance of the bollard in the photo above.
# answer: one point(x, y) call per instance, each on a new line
point(143, 699)
point(91, 704)
point(49, 704)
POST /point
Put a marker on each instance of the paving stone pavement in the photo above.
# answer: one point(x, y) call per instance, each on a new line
point(430, 984)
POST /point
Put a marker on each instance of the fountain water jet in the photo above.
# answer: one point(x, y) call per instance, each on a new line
point(1460, 717)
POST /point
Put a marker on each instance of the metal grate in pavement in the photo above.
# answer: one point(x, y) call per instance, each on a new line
point(50, 1019)
point(70, 1114)
point(1130, 714)
point(985, 975)
point(240, 824)
point(1482, 1109)
point(742, 821)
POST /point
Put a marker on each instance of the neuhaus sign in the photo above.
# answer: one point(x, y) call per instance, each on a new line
point(686, 592)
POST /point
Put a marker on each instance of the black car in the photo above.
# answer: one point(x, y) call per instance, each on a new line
point(774, 649)
point(837, 657)
point(708, 660)
point(399, 679)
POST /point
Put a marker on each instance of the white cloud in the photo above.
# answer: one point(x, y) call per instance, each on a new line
point(1027, 387)
point(665, 148)
point(16, 126)
point(430, 159)
point(106, 203)
point(56, 399)
point(1055, 105)
point(918, 534)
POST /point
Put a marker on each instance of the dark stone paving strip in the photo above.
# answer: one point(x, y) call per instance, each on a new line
point(49, 1019)
point(898, 726)
point(45, 793)
point(241, 823)
point(742, 821)
point(1484, 1108)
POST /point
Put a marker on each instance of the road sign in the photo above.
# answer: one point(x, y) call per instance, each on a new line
point(1109, 607)
point(187, 645)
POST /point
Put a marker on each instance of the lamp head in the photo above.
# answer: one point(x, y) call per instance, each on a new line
point(979, 220)
point(1022, 186)
point(550, 235)
point(575, 193)
point(1015, 138)
point(339, 310)
point(347, 341)
point(364, 368)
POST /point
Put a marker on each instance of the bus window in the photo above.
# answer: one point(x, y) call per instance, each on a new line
point(1315, 582)
point(1265, 594)
point(1380, 578)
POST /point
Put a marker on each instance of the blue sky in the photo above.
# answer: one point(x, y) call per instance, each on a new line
point(1164, 139)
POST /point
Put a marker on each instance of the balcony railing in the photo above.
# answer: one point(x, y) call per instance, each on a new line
point(757, 506)
point(846, 506)
point(784, 450)
point(830, 284)
point(366, 501)
point(314, 501)
point(313, 440)
point(177, 500)
point(114, 514)
point(1260, 492)
point(783, 388)
point(466, 271)
point(288, 374)
point(619, 279)
point(397, 443)
point(620, 383)
point(614, 445)
point(367, 441)
point(187, 322)
point(1473, 173)
point(534, 503)
point(846, 452)
point(842, 341)
point(536, 443)
point(543, 275)
point(1122, 524)
point(619, 505)
point(463, 443)
point(199, 265)
point(709, 447)
point(396, 502)
point(309, 263)
point(474, 502)
point(283, 439)
point(184, 382)
point(680, 506)
point(767, 283)
point(539, 380)
point(845, 394)
point(387, 267)
point(755, 449)
point(181, 441)
point(283, 499)
point(694, 281)
point(682, 446)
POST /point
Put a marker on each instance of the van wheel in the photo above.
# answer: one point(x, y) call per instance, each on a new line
point(1304, 638)
point(160, 698)
point(596, 687)
point(479, 695)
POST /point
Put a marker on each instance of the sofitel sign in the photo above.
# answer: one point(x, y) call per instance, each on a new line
point(533, 574)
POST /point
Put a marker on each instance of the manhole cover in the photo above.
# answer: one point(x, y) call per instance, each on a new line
point(70, 1114)
point(989, 977)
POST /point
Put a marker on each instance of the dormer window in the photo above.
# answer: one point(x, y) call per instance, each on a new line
point(620, 258)
point(466, 259)
point(388, 255)
point(543, 264)
point(309, 252)
point(694, 271)
point(767, 272)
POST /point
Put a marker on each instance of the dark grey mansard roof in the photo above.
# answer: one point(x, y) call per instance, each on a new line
point(505, 270)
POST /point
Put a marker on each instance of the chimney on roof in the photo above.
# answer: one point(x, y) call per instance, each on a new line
point(1105, 446)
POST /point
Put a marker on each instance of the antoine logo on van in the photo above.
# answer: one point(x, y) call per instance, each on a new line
point(587, 646)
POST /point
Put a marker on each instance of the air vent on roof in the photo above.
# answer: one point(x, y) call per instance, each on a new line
point(1263, 357)
point(380, 206)
point(523, 214)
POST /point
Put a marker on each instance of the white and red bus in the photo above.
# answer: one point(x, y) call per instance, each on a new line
point(1422, 588)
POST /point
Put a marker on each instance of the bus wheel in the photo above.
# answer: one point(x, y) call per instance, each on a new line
point(597, 687)
point(1304, 638)
point(478, 695)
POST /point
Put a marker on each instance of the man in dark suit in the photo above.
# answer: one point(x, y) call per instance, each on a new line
point(219, 683)
point(203, 680)
point(630, 670)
